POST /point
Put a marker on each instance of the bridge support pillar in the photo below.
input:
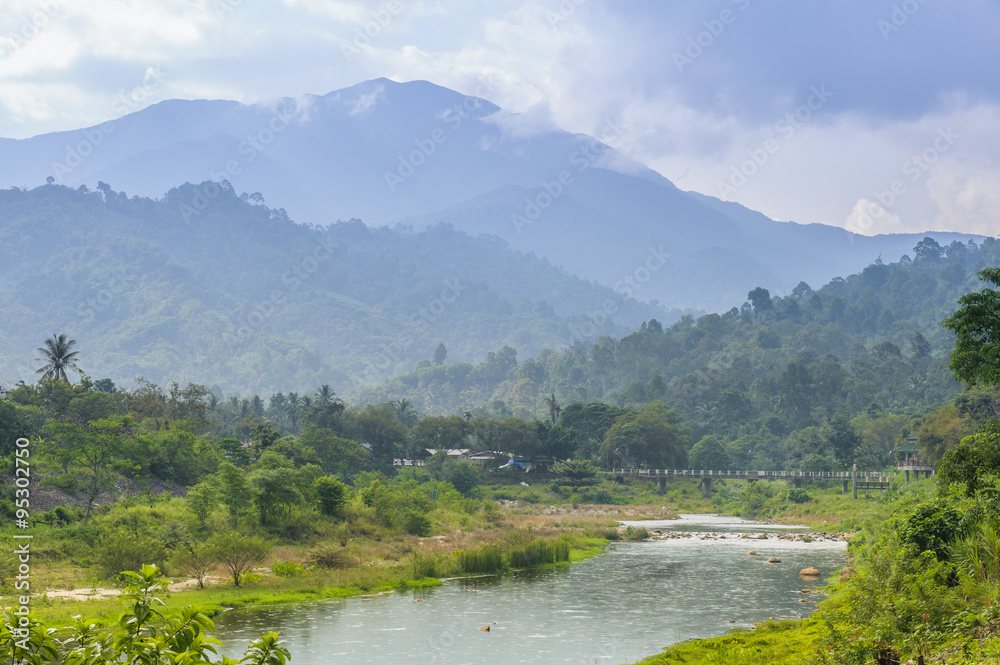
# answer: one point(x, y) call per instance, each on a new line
point(706, 487)
point(797, 482)
point(843, 489)
point(661, 484)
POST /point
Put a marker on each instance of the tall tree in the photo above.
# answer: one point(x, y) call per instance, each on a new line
point(324, 395)
point(96, 449)
point(554, 408)
point(440, 432)
point(440, 353)
point(405, 413)
point(760, 298)
point(58, 357)
point(379, 428)
point(591, 422)
point(652, 437)
point(976, 324)
point(709, 453)
point(293, 407)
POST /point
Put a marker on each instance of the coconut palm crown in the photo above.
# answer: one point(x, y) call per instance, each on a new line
point(58, 357)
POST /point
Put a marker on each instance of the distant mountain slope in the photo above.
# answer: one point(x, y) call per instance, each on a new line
point(237, 294)
point(385, 151)
point(862, 347)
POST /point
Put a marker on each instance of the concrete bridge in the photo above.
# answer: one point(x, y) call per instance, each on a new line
point(859, 480)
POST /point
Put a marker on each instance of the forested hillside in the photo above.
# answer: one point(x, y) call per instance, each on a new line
point(816, 378)
point(210, 287)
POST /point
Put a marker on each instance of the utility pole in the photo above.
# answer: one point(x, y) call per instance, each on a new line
point(854, 479)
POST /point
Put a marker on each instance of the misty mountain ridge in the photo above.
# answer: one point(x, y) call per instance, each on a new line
point(422, 154)
point(240, 296)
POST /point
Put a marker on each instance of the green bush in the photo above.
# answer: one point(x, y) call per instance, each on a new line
point(798, 496)
point(331, 495)
point(931, 527)
point(251, 577)
point(123, 551)
point(328, 555)
point(634, 534)
point(417, 524)
point(238, 553)
point(286, 569)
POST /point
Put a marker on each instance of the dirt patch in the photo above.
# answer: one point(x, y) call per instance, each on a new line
point(83, 594)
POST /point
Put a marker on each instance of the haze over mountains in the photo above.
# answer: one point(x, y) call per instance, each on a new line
point(421, 154)
point(242, 298)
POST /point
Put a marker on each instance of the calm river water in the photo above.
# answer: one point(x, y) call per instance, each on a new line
point(615, 608)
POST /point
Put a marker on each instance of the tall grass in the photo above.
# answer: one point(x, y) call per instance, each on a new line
point(486, 559)
point(979, 553)
point(514, 552)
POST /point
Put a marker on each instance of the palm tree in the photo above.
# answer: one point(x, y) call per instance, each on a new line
point(405, 412)
point(57, 357)
point(325, 394)
point(293, 405)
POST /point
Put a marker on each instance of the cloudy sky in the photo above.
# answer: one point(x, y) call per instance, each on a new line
point(875, 115)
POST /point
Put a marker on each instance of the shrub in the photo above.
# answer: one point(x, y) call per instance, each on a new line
point(417, 524)
point(931, 527)
point(251, 577)
point(238, 553)
point(328, 555)
point(798, 496)
point(330, 494)
point(286, 569)
point(65, 516)
point(195, 561)
point(632, 533)
point(491, 511)
point(122, 551)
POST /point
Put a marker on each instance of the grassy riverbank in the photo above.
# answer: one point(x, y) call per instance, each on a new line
point(375, 560)
point(772, 642)
point(924, 587)
point(522, 537)
point(806, 641)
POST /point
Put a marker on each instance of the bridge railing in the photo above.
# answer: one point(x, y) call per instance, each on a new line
point(715, 473)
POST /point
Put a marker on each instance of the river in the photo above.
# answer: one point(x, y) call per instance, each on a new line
point(615, 608)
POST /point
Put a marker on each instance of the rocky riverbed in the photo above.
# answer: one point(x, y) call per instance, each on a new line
point(813, 537)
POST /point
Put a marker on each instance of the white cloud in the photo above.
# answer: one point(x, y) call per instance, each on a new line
point(573, 65)
point(968, 198)
point(367, 101)
point(869, 218)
